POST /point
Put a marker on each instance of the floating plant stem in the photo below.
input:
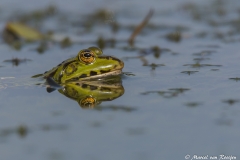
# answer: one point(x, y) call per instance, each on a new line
point(140, 27)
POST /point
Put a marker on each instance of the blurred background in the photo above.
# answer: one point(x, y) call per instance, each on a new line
point(180, 88)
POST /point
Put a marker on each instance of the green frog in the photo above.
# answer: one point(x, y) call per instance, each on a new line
point(89, 78)
point(89, 64)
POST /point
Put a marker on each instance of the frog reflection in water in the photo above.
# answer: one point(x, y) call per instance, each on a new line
point(88, 78)
point(90, 94)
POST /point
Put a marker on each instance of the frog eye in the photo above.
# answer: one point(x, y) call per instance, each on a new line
point(87, 102)
point(86, 56)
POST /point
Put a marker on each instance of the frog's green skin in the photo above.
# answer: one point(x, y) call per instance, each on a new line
point(88, 94)
point(75, 69)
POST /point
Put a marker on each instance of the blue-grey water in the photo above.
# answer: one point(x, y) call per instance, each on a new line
point(183, 101)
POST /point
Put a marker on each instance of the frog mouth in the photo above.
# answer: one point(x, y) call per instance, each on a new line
point(102, 75)
point(95, 76)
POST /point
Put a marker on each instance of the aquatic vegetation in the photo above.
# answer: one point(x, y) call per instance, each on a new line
point(15, 31)
point(170, 93)
point(198, 65)
point(200, 59)
point(189, 72)
point(231, 101)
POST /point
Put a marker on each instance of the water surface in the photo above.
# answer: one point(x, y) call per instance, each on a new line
point(182, 99)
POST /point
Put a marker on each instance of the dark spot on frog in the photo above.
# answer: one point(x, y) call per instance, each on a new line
point(72, 80)
point(93, 87)
point(93, 73)
point(102, 71)
point(83, 76)
point(84, 86)
point(105, 89)
point(78, 84)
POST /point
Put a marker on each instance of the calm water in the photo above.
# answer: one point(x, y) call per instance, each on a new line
point(183, 98)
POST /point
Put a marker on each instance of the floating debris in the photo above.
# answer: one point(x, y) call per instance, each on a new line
point(142, 58)
point(174, 36)
point(154, 66)
point(101, 42)
point(22, 131)
point(115, 26)
point(192, 104)
point(214, 69)
point(235, 79)
point(189, 72)
point(231, 101)
point(17, 61)
point(43, 46)
point(180, 90)
point(140, 27)
point(155, 50)
point(15, 31)
point(128, 73)
point(66, 42)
